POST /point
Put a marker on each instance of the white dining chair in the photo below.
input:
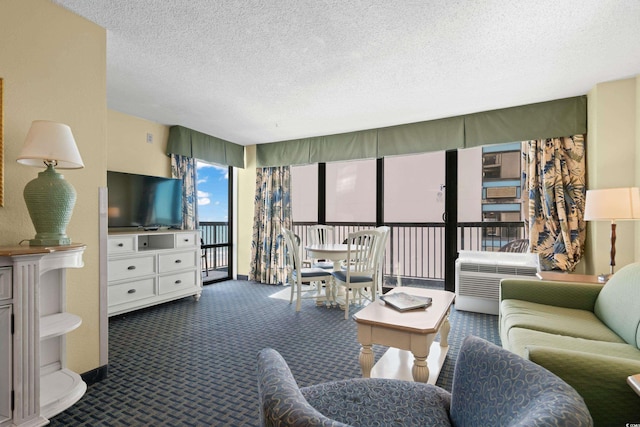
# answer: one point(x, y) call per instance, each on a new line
point(321, 235)
point(359, 275)
point(297, 275)
point(382, 247)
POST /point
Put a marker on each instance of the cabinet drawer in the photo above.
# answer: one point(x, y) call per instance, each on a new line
point(178, 282)
point(128, 268)
point(177, 261)
point(121, 245)
point(187, 240)
point(5, 283)
point(132, 291)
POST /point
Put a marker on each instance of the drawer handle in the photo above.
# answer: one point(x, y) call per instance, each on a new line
point(131, 267)
point(178, 282)
point(120, 245)
point(178, 261)
point(131, 291)
point(186, 240)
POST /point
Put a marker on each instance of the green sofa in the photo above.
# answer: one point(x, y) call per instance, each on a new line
point(587, 334)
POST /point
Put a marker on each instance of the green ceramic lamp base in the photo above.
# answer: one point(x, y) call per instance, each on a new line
point(50, 200)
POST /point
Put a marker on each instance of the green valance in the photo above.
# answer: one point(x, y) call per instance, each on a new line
point(283, 153)
point(434, 135)
point(563, 117)
point(191, 143)
point(344, 146)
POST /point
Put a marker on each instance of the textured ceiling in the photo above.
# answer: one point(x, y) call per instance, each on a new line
point(267, 70)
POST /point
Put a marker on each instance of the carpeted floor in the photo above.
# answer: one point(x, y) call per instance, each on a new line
point(191, 363)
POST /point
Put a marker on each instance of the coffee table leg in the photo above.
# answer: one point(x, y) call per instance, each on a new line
point(420, 370)
point(444, 331)
point(366, 360)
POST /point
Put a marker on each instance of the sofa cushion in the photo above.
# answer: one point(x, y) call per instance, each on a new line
point(520, 339)
point(554, 320)
point(618, 304)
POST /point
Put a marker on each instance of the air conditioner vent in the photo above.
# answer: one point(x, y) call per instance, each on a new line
point(478, 277)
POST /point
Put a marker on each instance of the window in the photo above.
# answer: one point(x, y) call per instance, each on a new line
point(351, 191)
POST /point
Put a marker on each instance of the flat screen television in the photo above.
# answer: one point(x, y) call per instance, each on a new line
point(142, 201)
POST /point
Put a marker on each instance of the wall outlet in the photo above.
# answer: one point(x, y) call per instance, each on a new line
point(149, 138)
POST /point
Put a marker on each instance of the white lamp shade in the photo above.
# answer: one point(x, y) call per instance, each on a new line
point(50, 141)
point(612, 204)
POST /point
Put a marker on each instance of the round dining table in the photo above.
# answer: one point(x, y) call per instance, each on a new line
point(335, 252)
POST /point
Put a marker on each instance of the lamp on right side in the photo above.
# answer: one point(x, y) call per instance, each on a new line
point(612, 204)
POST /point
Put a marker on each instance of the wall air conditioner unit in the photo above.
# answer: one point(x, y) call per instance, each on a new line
point(478, 276)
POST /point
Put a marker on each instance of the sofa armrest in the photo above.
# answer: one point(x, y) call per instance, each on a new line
point(600, 380)
point(560, 294)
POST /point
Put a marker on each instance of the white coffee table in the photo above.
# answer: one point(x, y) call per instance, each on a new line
point(410, 335)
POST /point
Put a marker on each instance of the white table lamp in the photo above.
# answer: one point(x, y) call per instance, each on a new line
point(49, 198)
point(612, 204)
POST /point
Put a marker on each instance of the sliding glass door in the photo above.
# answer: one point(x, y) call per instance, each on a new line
point(214, 221)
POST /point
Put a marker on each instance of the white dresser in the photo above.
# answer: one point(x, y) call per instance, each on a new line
point(148, 268)
point(33, 371)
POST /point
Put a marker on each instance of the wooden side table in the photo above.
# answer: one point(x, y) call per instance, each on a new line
point(568, 277)
point(634, 382)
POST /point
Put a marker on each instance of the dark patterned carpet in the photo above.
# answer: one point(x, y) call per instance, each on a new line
point(189, 363)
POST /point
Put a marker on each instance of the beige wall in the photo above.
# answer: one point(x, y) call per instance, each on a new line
point(54, 68)
point(612, 161)
point(246, 193)
point(128, 149)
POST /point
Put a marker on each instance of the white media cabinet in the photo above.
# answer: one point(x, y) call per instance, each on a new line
point(33, 372)
point(151, 267)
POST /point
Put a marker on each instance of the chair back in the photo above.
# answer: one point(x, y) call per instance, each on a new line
point(292, 249)
point(281, 402)
point(321, 234)
point(362, 253)
point(494, 387)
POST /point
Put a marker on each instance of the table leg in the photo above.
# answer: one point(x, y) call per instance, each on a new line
point(444, 331)
point(366, 360)
point(420, 370)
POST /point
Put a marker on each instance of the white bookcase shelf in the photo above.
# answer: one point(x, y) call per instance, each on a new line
point(33, 360)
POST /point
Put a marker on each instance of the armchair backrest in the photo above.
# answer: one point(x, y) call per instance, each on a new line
point(618, 304)
point(281, 402)
point(494, 387)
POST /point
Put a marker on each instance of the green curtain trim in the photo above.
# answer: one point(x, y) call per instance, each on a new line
point(563, 117)
point(550, 119)
point(191, 143)
point(435, 135)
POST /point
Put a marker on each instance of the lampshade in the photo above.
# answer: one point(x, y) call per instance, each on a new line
point(50, 142)
point(612, 204)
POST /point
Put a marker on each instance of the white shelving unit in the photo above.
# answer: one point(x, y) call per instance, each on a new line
point(32, 292)
point(149, 268)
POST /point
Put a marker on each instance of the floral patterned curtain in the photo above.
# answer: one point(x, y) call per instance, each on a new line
point(272, 212)
point(554, 179)
point(185, 168)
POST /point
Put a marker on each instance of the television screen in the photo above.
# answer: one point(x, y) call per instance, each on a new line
point(144, 201)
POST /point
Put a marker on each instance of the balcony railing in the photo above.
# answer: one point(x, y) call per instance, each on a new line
point(215, 246)
point(416, 250)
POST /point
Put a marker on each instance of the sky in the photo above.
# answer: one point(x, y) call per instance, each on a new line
point(213, 192)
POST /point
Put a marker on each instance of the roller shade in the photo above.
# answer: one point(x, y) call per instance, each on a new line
point(191, 143)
